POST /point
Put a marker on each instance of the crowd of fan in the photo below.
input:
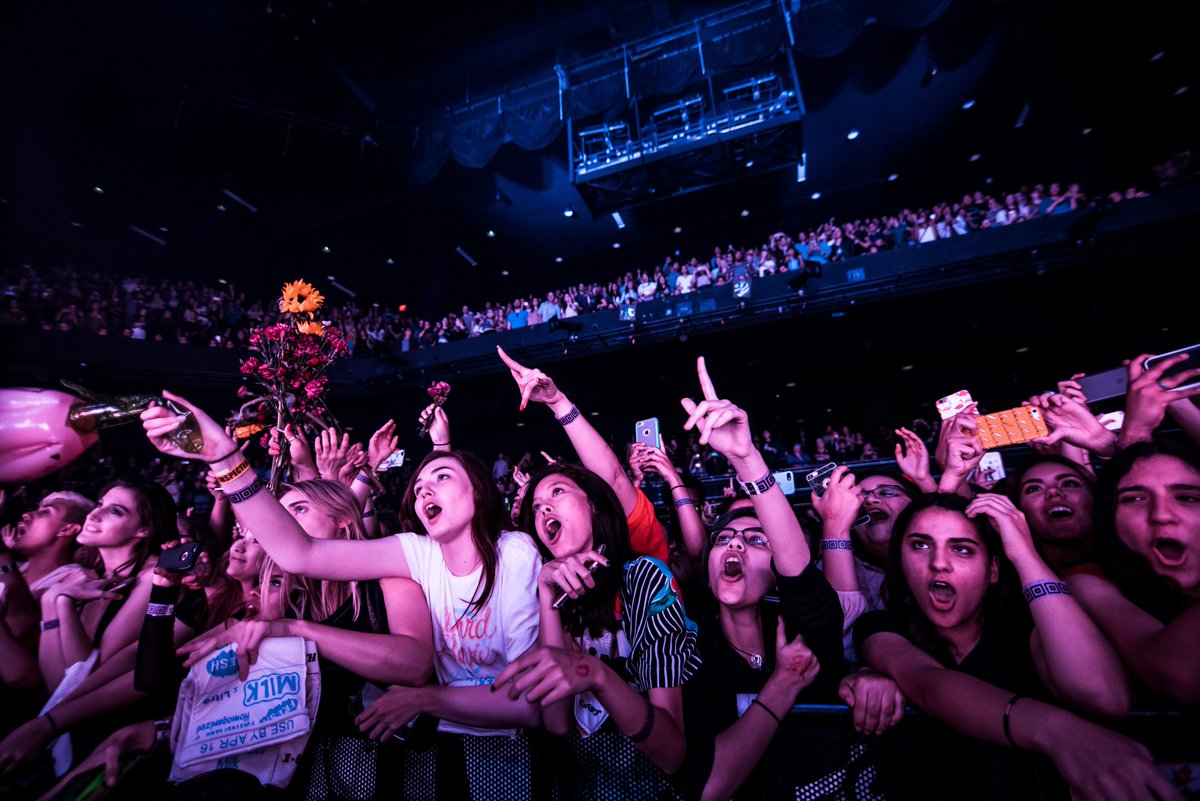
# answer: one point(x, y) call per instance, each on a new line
point(1030, 614)
point(169, 310)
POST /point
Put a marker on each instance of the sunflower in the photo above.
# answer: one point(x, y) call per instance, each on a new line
point(314, 328)
point(300, 297)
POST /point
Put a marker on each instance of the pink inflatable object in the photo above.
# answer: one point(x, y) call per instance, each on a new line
point(35, 439)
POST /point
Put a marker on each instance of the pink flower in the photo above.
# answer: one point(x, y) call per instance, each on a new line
point(250, 366)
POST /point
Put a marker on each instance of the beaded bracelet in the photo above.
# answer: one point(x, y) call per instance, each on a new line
point(682, 502)
point(837, 545)
point(1040, 589)
point(234, 472)
point(569, 417)
point(247, 492)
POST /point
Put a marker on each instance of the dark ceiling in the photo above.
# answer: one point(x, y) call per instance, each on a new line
point(164, 106)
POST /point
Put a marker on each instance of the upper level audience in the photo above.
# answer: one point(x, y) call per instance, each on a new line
point(165, 310)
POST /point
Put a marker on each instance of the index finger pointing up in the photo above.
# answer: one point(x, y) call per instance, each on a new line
point(512, 363)
point(706, 384)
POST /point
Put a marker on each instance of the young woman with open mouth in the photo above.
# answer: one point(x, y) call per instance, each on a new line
point(747, 647)
point(1149, 545)
point(615, 645)
point(478, 580)
point(968, 653)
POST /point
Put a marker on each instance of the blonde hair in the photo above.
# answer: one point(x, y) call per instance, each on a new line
point(318, 599)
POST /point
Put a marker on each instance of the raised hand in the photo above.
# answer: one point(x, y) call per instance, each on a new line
point(912, 457)
point(439, 426)
point(535, 385)
point(875, 700)
point(158, 421)
point(8, 535)
point(299, 451)
point(1072, 422)
point(961, 448)
point(723, 426)
point(383, 443)
point(1072, 388)
point(648, 457)
point(338, 459)
point(1149, 394)
point(838, 507)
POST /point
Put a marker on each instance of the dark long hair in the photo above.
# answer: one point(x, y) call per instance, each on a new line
point(595, 611)
point(899, 596)
point(1158, 595)
point(486, 525)
point(155, 510)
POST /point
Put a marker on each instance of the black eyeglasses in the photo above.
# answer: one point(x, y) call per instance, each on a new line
point(751, 536)
point(886, 491)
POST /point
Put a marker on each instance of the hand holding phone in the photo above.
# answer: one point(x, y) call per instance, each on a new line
point(818, 480)
point(180, 558)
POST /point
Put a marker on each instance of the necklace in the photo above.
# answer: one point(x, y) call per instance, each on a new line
point(756, 660)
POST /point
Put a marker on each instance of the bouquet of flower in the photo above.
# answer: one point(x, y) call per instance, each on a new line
point(288, 363)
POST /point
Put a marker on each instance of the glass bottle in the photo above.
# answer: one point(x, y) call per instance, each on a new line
point(106, 411)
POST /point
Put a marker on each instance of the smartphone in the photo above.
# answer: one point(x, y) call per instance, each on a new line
point(1010, 427)
point(786, 481)
point(645, 432)
point(991, 467)
point(953, 404)
point(818, 479)
point(396, 459)
point(181, 558)
point(1102, 386)
point(1191, 362)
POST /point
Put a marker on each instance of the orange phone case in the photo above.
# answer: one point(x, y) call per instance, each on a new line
point(1010, 427)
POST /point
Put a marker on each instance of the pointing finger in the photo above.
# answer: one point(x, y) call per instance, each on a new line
point(706, 384)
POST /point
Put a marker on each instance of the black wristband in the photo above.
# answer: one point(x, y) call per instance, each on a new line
point(643, 734)
point(767, 709)
point(236, 449)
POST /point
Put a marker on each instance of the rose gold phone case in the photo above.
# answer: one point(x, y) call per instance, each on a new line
point(1010, 427)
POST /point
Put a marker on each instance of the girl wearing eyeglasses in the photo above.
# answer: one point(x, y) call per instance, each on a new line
point(757, 657)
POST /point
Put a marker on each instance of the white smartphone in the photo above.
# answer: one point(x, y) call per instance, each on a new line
point(991, 467)
point(396, 459)
point(953, 404)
